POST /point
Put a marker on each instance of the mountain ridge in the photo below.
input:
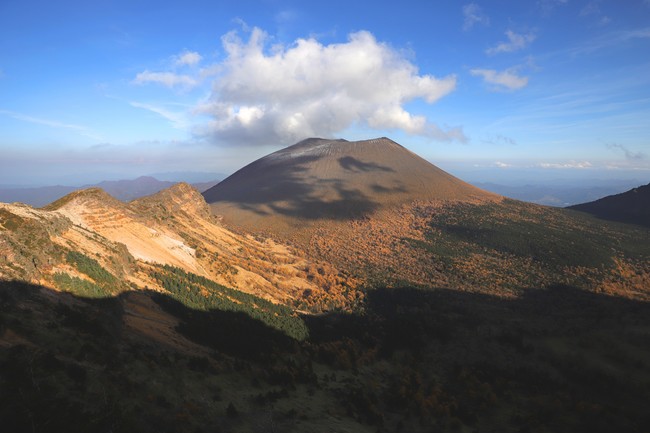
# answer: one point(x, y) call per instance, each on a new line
point(124, 190)
point(172, 228)
point(632, 207)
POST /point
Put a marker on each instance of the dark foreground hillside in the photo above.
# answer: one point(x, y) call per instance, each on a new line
point(553, 360)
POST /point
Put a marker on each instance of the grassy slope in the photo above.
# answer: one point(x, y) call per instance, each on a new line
point(514, 246)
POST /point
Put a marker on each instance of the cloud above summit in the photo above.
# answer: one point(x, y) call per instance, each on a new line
point(264, 93)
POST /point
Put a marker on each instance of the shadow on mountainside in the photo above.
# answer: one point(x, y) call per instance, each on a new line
point(555, 359)
point(630, 207)
point(281, 183)
point(381, 189)
point(286, 189)
point(353, 164)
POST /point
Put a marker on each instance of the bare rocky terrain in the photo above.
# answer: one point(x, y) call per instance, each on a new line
point(174, 227)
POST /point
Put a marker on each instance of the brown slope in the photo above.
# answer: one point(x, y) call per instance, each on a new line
point(180, 198)
point(353, 204)
point(631, 207)
point(319, 181)
point(173, 227)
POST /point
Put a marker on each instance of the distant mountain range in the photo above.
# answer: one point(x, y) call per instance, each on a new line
point(632, 207)
point(125, 190)
point(558, 195)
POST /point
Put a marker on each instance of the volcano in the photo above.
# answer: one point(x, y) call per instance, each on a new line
point(319, 180)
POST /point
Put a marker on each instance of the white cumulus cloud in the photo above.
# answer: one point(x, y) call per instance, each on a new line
point(505, 80)
point(269, 94)
point(515, 42)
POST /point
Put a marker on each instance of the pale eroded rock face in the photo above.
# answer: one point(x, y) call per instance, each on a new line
point(173, 227)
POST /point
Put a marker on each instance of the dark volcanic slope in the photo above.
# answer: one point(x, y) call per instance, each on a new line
point(319, 179)
point(632, 206)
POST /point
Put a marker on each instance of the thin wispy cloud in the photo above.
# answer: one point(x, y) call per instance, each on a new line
point(121, 36)
point(610, 39)
point(548, 6)
point(172, 78)
point(604, 20)
point(285, 16)
point(499, 81)
point(499, 139)
point(592, 9)
point(310, 89)
point(567, 165)
point(472, 15)
point(79, 129)
point(515, 42)
point(629, 155)
point(168, 79)
point(177, 120)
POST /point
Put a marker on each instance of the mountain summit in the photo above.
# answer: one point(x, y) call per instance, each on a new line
point(319, 180)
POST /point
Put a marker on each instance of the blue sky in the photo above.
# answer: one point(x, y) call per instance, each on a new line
point(486, 89)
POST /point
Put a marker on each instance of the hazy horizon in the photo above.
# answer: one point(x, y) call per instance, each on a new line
point(472, 173)
point(528, 184)
point(477, 173)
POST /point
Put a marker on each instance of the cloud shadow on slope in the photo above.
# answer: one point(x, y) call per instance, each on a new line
point(350, 163)
point(285, 189)
point(380, 189)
